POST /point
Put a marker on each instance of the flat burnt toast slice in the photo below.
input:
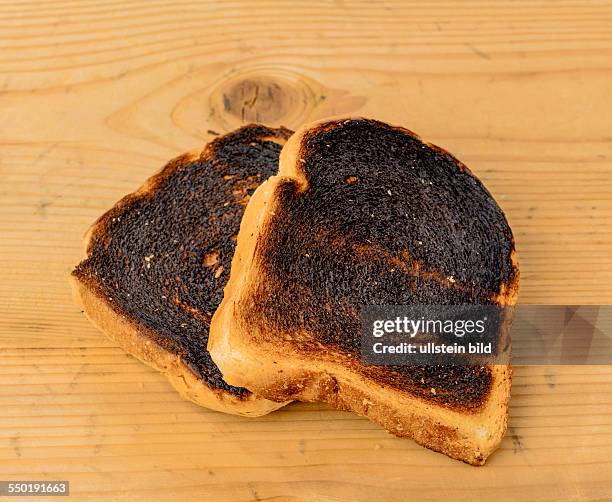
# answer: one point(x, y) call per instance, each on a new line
point(158, 260)
point(364, 213)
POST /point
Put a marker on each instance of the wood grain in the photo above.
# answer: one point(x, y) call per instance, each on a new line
point(95, 96)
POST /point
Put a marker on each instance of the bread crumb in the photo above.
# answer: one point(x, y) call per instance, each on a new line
point(451, 279)
point(211, 259)
point(433, 391)
point(219, 272)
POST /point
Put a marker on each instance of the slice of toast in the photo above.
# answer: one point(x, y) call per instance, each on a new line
point(158, 260)
point(363, 213)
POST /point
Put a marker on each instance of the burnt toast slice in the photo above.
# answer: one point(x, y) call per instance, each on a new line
point(157, 262)
point(364, 213)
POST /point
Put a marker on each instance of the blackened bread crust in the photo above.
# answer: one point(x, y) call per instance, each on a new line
point(157, 262)
point(363, 213)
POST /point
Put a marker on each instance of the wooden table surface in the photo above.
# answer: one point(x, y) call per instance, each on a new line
point(95, 96)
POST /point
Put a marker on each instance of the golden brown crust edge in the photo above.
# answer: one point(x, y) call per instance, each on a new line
point(132, 338)
point(467, 436)
point(460, 436)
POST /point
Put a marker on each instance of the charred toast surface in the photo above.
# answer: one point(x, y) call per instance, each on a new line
point(157, 261)
point(363, 213)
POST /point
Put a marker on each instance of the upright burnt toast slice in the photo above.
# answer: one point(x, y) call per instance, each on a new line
point(158, 260)
point(363, 213)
